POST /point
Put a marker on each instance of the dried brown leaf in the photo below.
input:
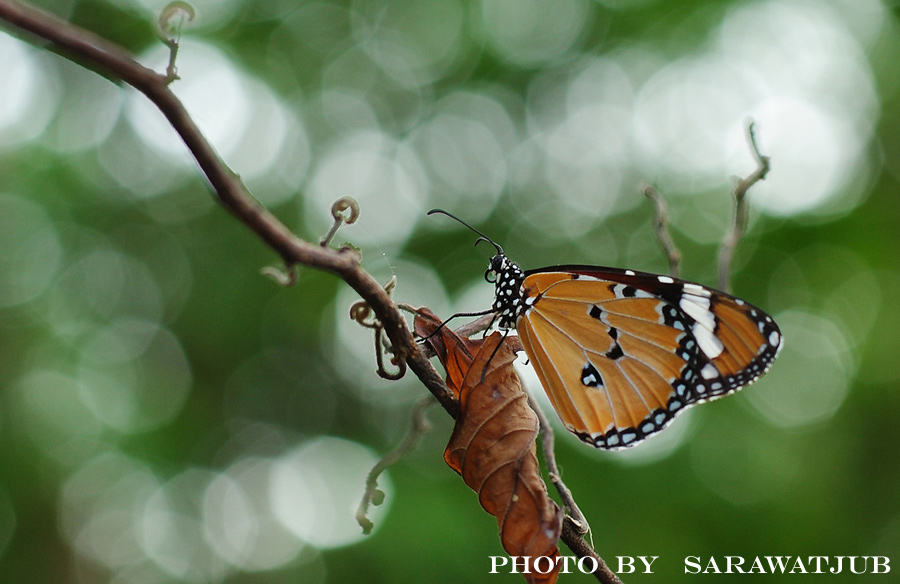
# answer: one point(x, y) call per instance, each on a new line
point(455, 352)
point(493, 444)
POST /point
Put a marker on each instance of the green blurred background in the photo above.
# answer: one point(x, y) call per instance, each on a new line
point(170, 415)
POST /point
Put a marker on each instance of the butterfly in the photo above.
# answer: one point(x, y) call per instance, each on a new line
point(621, 353)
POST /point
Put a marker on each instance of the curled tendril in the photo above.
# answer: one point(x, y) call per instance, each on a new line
point(361, 312)
point(382, 346)
point(286, 277)
point(343, 204)
point(172, 19)
point(337, 213)
point(391, 284)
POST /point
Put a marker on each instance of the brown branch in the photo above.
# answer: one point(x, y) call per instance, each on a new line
point(729, 244)
point(582, 549)
point(95, 53)
point(661, 227)
point(98, 54)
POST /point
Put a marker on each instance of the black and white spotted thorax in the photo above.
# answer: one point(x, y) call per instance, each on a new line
point(510, 300)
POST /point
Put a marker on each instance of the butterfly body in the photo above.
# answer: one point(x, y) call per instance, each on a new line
point(621, 353)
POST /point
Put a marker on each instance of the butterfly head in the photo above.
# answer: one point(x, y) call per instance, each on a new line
point(507, 277)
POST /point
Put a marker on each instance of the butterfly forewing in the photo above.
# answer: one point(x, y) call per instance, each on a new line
point(620, 353)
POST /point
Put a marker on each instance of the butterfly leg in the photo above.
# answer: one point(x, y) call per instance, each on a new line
point(493, 354)
point(451, 317)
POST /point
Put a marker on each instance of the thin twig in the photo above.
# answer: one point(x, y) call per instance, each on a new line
point(575, 524)
point(729, 244)
point(171, 70)
point(419, 425)
point(548, 446)
point(661, 227)
point(582, 549)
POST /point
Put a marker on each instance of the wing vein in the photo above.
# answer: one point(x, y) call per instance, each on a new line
point(597, 414)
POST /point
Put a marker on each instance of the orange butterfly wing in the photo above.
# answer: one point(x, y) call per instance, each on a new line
point(621, 353)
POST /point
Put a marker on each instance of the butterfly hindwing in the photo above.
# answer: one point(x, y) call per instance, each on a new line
point(620, 353)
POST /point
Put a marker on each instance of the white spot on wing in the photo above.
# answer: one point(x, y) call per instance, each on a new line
point(665, 279)
point(698, 309)
point(710, 345)
point(774, 338)
point(709, 371)
point(696, 289)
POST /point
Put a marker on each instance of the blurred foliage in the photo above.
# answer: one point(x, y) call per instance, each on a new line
point(169, 415)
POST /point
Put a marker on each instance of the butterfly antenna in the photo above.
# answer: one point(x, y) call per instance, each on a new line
point(482, 237)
